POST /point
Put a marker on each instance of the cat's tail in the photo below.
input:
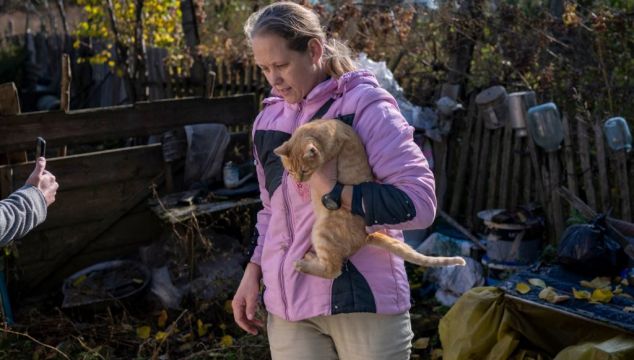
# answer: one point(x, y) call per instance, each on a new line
point(405, 251)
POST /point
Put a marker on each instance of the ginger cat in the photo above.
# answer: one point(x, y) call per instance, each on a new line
point(338, 234)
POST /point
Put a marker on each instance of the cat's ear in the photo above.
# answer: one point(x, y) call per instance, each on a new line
point(282, 150)
point(310, 152)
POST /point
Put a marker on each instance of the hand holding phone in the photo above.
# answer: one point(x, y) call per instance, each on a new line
point(40, 147)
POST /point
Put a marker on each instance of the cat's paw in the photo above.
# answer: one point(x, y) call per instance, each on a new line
point(310, 256)
point(300, 265)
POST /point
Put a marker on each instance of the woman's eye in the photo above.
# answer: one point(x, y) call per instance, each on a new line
point(282, 66)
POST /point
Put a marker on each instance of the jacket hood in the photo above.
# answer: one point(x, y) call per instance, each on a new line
point(331, 87)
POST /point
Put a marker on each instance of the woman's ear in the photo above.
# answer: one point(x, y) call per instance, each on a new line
point(315, 50)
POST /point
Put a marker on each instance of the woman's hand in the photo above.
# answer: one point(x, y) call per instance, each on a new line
point(245, 301)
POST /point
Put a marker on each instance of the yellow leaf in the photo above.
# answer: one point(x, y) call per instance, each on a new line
point(160, 335)
point(226, 341)
point(522, 288)
point(537, 282)
point(162, 318)
point(202, 328)
point(143, 332)
point(597, 283)
point(581, 294)
point(79, 280)
point(549, 294)
point(601, 295)
point(228, 308)
point(421, 343)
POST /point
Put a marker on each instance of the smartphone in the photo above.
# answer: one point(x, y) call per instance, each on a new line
point(40, 147)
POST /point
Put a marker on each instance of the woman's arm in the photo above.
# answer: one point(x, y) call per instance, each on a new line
point(403, 193)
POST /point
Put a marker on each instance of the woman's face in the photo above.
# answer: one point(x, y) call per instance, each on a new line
point(291, 73)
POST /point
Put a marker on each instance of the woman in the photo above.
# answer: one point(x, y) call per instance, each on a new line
point(362, 314)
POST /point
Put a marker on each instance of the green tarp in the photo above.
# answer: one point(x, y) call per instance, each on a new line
point(485, 324)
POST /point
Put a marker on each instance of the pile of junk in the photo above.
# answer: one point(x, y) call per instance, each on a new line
point(574, 302)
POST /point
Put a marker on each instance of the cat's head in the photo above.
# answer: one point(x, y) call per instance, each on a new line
point(301, 157)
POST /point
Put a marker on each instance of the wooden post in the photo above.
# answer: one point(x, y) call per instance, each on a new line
point(506, 166)
point(9, 101)
point(557, 215)
point(65, 83)
point(210, 83)
point(493, 183)
point(482, 171)
point(604, 187)
point(624, 188)
point(473, 171)
point(10, 105)
point(571, 176)
point(518, 158)
point(67, 77)
point(457, 193)
point(584, 158)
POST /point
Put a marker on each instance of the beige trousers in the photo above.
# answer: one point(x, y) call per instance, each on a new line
point(356, 336)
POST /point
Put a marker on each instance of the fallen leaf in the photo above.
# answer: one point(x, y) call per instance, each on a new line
point(601, 295)
point(581, 294)
point(549, 294)
point(537, 282)
point(137, 281)
point(597, 283)
point(160, 335)
point(624, 282)
point(617, 290)
point(628, 309)
point(162, 318)
point(421, 343)
point(626, 295)
point(143, 332)
point(522, 288)
point(202, 328)
point(226, 341)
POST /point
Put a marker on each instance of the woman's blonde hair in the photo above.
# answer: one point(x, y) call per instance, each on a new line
point(298, 25)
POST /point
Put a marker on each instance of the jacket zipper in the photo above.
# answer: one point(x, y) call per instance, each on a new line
point(289, 221)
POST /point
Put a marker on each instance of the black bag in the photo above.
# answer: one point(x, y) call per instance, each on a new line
point(588, 250)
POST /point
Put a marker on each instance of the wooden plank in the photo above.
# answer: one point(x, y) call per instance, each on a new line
point(503, 199)
point(481, 174)
point(558, 220)
point(473, 172)
point(624, 188)
point(98, 168)
point(604, 187)
point(440, 170)
point(571, 176)
point(136, 229)
point(584, 158)
point(65, 83)
point(183, 213)
point(517, 159)
point(143, 118)
point(457, 198)
point(541, 178)
point(130, 202)
point(530, 185)
point(6, 181)
point(9, 101)
point(93, 203)
point(494, 169)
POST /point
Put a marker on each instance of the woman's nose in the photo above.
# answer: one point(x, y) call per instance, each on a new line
point(276, 78)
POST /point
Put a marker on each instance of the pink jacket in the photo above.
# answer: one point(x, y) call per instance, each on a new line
point(373, 280)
